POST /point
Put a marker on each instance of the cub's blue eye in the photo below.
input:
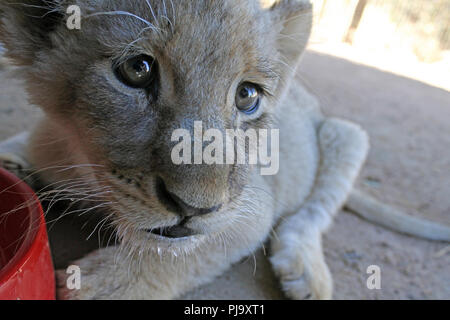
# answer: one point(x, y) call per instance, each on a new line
point(138, 72)
point(248, 98)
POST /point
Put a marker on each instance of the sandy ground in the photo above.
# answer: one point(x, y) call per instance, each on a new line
point(408, 167)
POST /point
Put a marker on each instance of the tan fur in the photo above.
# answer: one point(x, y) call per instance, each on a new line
point(88, 138)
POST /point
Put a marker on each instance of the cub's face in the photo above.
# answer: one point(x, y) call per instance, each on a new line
point(137, 71)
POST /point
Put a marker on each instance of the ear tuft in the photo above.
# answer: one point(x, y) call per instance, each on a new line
point(296, 18)
point(25, 26)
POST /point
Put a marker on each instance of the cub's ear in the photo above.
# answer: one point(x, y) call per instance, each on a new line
point(25, 26)
point(295, 20)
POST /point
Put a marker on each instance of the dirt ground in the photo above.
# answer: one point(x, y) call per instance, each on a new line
point(408, 167)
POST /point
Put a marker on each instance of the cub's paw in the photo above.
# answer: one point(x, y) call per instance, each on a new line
point(67, 288)
point(302, 270)
point(91, 278)
point(64, 291)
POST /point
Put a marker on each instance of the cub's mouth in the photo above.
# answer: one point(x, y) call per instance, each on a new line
point(174, 232)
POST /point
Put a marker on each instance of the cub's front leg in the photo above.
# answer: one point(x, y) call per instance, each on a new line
point(113, 274)
point(297, 256)
point(109, 273)
point(100, 277)
point(118, 273)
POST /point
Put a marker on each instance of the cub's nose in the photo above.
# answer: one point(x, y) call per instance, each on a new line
point(175, 204)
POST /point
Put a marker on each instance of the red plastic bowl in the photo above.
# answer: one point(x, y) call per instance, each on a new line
point(26, 267)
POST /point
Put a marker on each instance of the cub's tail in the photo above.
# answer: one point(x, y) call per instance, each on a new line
point(391, 218)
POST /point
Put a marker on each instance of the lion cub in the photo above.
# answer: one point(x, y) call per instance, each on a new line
point(115, 90)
